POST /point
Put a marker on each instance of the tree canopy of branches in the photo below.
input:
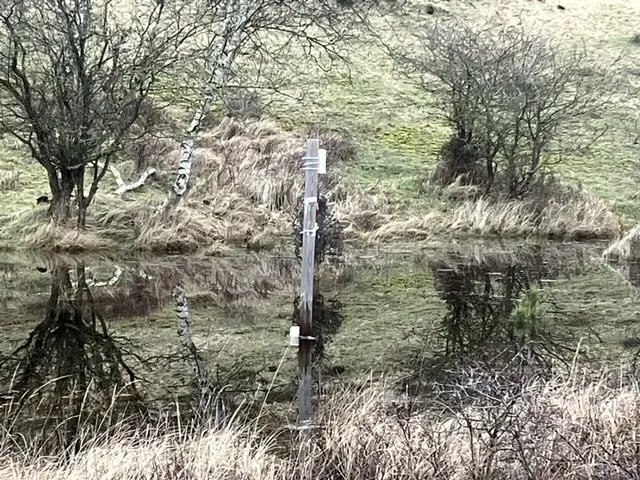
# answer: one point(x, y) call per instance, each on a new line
point(254, 43)
point(517, 102)
point(73, 77)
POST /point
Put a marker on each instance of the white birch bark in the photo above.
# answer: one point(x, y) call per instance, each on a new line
point(184, 333)
point(232, 34)
point(122, 186)
point(90, 280)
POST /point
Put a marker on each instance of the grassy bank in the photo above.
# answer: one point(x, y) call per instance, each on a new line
point(246, 193)
point(580, 425)
point(388, 133)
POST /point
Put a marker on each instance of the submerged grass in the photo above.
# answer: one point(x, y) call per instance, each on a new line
point(578, 425)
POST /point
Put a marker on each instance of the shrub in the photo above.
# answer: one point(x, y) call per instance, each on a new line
point(517, 103)
point(243, 104)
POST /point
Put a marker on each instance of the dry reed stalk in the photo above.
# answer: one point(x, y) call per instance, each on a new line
point(580, 425)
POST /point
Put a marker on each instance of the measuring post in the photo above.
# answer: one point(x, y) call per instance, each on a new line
point(305, 308)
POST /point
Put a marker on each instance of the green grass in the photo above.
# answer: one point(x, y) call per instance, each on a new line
point(400, 128)
point(398, 125)
point(32, 183)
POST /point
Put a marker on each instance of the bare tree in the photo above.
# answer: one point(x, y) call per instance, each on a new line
point(73, 77)
point(518, 103)
point(266, 30)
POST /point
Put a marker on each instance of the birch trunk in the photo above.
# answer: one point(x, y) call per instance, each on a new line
point(184, 333)
point(233, 36)
point(122, 186)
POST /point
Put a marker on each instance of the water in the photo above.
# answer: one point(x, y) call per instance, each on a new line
point(79, 332)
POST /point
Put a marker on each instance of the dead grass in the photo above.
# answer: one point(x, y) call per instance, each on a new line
point(36, 230)
point(247, 189)
point(581, 426)
point(577, 218)
point(247, 184)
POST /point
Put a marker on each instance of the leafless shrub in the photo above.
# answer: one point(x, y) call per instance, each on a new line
point(243, 104)
point(518, 103)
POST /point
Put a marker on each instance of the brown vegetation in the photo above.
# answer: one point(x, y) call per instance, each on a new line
point(482, 425)
point(575, 217)
point(246, 187)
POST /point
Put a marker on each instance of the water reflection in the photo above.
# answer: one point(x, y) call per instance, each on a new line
point(629, 273)
point(68, 352)
point(496, 307)
point(70, 366)
point(87, 328)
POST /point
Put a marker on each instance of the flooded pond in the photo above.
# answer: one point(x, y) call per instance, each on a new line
point(99, 333)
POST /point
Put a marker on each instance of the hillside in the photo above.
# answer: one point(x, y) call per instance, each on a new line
point(389, 132)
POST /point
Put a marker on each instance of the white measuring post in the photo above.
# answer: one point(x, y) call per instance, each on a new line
point(305, 310)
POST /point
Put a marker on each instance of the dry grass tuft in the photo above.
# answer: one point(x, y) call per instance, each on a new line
point(152, 151)
point(246, 190)
point(219, 228)
point(340, 145)
point(482, 425)
point(9, 180)
point(576, 218)
point(36, 230)
point(414, 228)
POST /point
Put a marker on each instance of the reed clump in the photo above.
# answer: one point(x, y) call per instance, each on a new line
point(579, 425)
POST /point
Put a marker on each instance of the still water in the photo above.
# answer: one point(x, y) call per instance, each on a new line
point(101, 334)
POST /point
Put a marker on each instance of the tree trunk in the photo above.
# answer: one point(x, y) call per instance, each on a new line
point(233, 33)
point(61, 189)
point(82, 204)
point(490, 175)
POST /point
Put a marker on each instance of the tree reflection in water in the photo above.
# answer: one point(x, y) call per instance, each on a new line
point(497, 307)
point(70, 367)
